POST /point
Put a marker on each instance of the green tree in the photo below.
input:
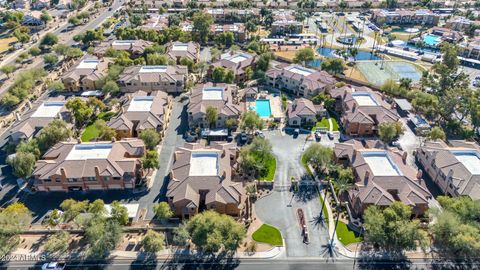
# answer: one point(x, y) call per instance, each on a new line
point(72, 208)
point(9, 100)
point(250, 121)
point(153, 241)
point(74, 20)
point(318, 156)
point(150, 161)
point(391, 229)
point(49, 39)
point(29, 146)
point(110, 87)
point(7, 70)
point(22, 164)
point(80, 110)
point(56, 131)
point(201, 26)
point(119, 213)
point(150, 137)
point(105, 133)
point(211, 231)
point(21, 36)
point(35, 51)
point(102, 237)
point(45, 17)
point(229, 76)
point(211, 115)
point(57, 243)
point(218, 74)
point(50, 59)
point(436, 133)
point(304, 55)
point(13, 219)
point(181, 235)
point(387, 132)
point(333, 65)
point(231, 123)
point(162, 210)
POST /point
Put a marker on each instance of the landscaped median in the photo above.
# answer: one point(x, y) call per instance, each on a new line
point(269, 235)
point(325, 124)
point(271, 165)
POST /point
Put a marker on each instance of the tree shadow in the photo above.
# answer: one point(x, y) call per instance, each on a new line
point(307, 191)
point(221, 261)
point(319, 221)
point(36, 246)
point(371, 260)
point(145, 261)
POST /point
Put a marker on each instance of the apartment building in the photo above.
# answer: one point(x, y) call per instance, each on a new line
point(222, 97)
point(302, 111)
point(471, 49)
point(299, 80)
point(40, 115)
point(455, 168)
point(405, 17)
point(86, 74)
point(170, 79)
point(238, 29)
point(134, 47)
point(362, 110)
point(460, 24)
point(75, 166)
point(284, 23)
point(201, 179)
point(156, 22)
point(177, 50)
point(382, 176)
point(142, 111)
point(237, 62)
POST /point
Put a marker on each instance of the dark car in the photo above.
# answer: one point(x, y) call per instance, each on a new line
point(190, 137)
point(330, 135)
point(243, 138)
point(318, 136)
point(296, 132)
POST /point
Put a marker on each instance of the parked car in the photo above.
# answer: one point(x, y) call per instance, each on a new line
point(243, 137)
point(396, 144)
point(190, 137)
point(296, 132)
point(53, 266)
point(318, 136)
point(330, 135)
point(259, 134)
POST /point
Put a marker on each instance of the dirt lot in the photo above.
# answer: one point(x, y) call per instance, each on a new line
point(5, 43)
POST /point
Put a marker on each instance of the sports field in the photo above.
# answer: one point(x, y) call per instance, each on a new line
point(377, 72)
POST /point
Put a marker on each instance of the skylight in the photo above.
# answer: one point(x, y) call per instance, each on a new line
point(48, 109)
point(89, 151)
point(140, 104)
point(153, 69)
point(381, 164)
point(212, 93)
point(204, 164)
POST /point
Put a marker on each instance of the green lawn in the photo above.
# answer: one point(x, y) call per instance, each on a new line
point(272, 166)
point(268, 234)
point(325, 124)
point(90, 133)
point(347, 236)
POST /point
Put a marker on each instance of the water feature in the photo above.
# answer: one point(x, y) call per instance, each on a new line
point(361, 55)
point(431, 40)
point(262, 107)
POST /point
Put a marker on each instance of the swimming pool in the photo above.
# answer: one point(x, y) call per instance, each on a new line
point(262, 107)
point(431, 40)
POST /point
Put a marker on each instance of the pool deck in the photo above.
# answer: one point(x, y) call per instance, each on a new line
point(275, 105)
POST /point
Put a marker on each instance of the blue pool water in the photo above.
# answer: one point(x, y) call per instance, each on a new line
point(262, 107)
point(431, 40)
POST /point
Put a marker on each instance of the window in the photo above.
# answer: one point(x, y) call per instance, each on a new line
point(106, 178)
point(47, 180)
point(91, 178)
point(58, 179)
point(117, 178)
point(71, 180)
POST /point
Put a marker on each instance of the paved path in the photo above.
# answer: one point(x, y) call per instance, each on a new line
point(275, 209)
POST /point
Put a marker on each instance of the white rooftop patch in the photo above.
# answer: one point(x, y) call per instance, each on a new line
point(212, 93)
point(140, 104)
point(153, 69)
point(123, 42)
point(381, 164)
point(89, 151)
point(180, 47)
point(204, 164)
point(300, 70)
point(364, 99)
point(48, 109)
point(237, 58)
point(469, 159)
point(88, 64)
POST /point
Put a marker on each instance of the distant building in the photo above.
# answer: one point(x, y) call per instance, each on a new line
point(446, 34)
point(73, 166)
point(382, 176)
point(362, 109)
point(134, 47)
point(176, 50)
point(156, 22)
point(40, 115)
point(170, 79)
point(32, 20)
point(238, 30)
point(221, 97)
point(302, 111)
point(404, 17)
point(460, 24)
point(299, 80)
point(86, 74)
point(454, 168)
point(284, 23)
point(201, 179)
point(471, 49)
point(238, 63)
point(41, 4)
point(142, 111)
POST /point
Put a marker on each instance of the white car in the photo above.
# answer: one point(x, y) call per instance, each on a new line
point(53, 266)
